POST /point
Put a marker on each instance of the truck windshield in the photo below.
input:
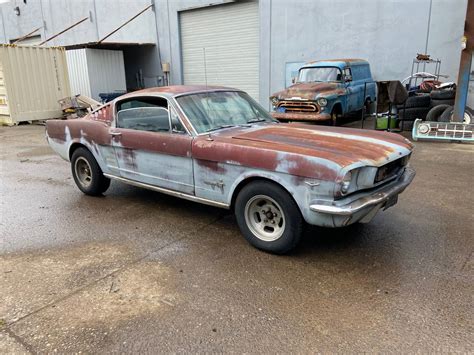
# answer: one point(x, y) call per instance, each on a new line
point(321, 74)
point(210, 111)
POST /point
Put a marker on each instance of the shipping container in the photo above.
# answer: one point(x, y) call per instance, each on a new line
point(96, 71)
point(32, 80)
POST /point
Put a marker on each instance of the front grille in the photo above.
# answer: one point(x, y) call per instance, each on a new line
point(444, 130)
point(389, 170)
point(298, 106)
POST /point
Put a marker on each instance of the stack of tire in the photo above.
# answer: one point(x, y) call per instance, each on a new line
point(442, 103)
point(416, 106)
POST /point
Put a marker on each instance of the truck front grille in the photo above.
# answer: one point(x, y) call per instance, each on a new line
point(298, 106)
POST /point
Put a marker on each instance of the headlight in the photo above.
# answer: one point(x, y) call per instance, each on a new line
point(322, 102)
point(346, 182)
point(274, 100)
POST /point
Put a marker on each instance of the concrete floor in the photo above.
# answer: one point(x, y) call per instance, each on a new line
point(137, 271)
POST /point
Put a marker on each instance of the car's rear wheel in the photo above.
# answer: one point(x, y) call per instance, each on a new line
point(87, 174)
point(268, 217)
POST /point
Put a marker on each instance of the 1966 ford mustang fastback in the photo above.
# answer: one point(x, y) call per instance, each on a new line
point(217, 146)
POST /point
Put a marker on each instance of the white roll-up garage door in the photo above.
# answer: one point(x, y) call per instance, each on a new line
point(225, 38)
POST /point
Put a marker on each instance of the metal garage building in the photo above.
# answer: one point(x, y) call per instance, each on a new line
point(249, 44)
point(222, 44)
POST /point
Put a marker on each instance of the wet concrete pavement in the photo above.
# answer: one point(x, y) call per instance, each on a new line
point(140, 271)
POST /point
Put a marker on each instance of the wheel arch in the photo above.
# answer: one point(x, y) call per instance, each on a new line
point(74, 146)
point(254, 178)
point(337, 108)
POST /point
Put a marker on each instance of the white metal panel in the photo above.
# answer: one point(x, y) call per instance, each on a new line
point(35, 79)
point(230, 36)
point(106, 71)
point(78, 72)
point(4, 111)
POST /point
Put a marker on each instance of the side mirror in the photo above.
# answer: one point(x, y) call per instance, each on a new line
point(293, 80)
point(347, 78)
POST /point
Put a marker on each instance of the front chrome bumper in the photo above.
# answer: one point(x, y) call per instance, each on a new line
point(301, 116)
point(376, 198)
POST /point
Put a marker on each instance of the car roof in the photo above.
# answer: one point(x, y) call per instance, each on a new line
point(335, 63)
point(176, 90)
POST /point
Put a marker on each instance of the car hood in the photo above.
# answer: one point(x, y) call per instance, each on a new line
point(309, 91)
point(301, 149)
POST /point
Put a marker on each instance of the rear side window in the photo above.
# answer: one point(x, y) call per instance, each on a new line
point(153, 119)
point(143, 114)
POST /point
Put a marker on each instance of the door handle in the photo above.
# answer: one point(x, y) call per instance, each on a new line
point(115, 134)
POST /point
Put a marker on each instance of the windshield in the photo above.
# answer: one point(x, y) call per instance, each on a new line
point(220, 109)
point(308, 75)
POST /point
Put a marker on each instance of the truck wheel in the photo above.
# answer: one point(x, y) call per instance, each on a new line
point(87, 174)
point(268, 217)
point(447, 115)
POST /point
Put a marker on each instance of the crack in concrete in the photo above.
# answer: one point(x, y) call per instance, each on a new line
point(113, 273)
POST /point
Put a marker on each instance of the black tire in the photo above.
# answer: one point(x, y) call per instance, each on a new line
point(335, 118)
point(435, 113)
point(413, 113)
point(423, 100)
point(258, 195)
point(407, 125)
point(448, 113)
point(435, 102)
point(446, 94)
point(87, 174)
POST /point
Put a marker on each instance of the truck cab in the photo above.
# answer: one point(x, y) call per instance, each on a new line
point(325, 90)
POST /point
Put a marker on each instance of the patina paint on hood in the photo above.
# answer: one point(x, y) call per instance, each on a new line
point(308, 149)
point(310, 91)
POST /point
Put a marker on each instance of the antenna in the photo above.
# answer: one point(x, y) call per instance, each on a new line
point(207, 92)
point(205, 68)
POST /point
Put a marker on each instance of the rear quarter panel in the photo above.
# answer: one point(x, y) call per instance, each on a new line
point(62, 135)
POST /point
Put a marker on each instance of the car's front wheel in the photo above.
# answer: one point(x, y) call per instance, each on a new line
point(268, 217)
point(87, 173)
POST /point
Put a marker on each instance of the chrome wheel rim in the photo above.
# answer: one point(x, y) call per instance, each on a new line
point(83, 171)
point(265, 218)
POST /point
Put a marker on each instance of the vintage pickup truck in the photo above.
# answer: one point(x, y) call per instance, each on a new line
point(325, 90)
point(217, 146)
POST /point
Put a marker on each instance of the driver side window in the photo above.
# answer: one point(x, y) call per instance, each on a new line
point(143, 114)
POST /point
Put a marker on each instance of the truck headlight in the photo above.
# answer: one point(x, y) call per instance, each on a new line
point(346, 183)
point(274, 100)
point(322, 102)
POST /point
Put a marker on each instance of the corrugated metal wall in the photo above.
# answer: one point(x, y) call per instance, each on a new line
point(34, 79)
point(95, 71)
point(78, 72)
point(106, 71)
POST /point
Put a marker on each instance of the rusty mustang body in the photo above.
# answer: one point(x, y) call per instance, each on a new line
point(217, 146)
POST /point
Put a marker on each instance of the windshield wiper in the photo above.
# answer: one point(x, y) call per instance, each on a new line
point(220, 127)
point(255, 120)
